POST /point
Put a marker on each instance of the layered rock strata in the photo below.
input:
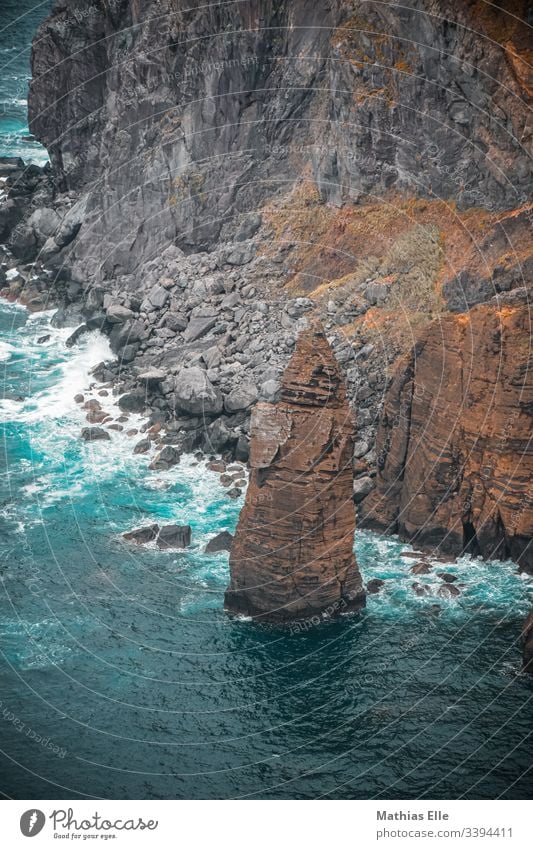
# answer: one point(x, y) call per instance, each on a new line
point(454, 450)
point(292, 556)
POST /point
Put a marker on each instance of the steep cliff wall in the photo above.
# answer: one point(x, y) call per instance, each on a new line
point(454, 449)
point(292, 556)
point(373, 157)
point(170, 118)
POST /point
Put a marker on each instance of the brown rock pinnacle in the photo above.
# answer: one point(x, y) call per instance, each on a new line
point(292, 556)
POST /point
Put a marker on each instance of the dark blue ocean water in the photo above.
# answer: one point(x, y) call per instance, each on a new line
point(121, 676)
point(18, 21)
point(124, 661)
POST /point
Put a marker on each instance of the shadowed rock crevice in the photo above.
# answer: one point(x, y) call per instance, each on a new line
point(292, 556)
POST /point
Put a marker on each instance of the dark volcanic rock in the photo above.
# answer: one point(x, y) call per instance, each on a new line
point(222, 542)
point(292, 555)
point(420, 569)
point(93, 434)
point(447, 577)
point(448, 591)
point(132, 402)
point(438, 148)
point(174, 536)
point(166, 458)
point(455, 460)
point(375, 585)
point(142, 535)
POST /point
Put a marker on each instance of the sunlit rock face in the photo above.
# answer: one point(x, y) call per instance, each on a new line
point(454, 443)
point(292, 556)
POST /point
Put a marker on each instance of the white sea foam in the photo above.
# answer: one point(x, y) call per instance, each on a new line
point(6, 349)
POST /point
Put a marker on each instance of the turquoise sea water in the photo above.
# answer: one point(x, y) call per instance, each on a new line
point(121, 676)
point(18, 21)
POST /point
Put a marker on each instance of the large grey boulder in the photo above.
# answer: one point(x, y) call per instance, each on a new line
point(361, 488)
point(270, 390)
point(194, 393)
point(221, 542)
point(174, 536)
point(117, 314)
point(140, 536)
point(241, 398)
point(157, 298)
point(132, 402)
point(199, 326)
point(44, 223)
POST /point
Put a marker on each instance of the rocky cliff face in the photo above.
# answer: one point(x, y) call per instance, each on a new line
point(169, 120)
point(292, 556)
point(221, 172)
point(454, 453)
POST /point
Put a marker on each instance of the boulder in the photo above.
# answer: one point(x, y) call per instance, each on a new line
point(199, 326)
point(420, 569)
point(361, 488)
point(75, 337)
point(142, 447)
point(166, 458)
point(44, 223)
point(132, 402)
point(269, 390)
point(158, 297)
point(152, 377)
point(447, 577)
point(174, 536)
point(194, 393)
point(374, 586)
point(222, 542)
point(93, 434)
point(117, 314)
point(142, 535)
point(241, 398)
point(242, 449)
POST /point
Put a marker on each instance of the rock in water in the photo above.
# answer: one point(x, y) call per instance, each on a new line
point(174, 536)
point(292, 556)
point(222, 542)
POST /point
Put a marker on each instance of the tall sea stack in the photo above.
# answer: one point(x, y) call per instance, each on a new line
point(292, 556)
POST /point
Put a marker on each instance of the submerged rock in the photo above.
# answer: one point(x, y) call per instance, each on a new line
point(375, 585)
point(448, 590)
point(292, 556)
